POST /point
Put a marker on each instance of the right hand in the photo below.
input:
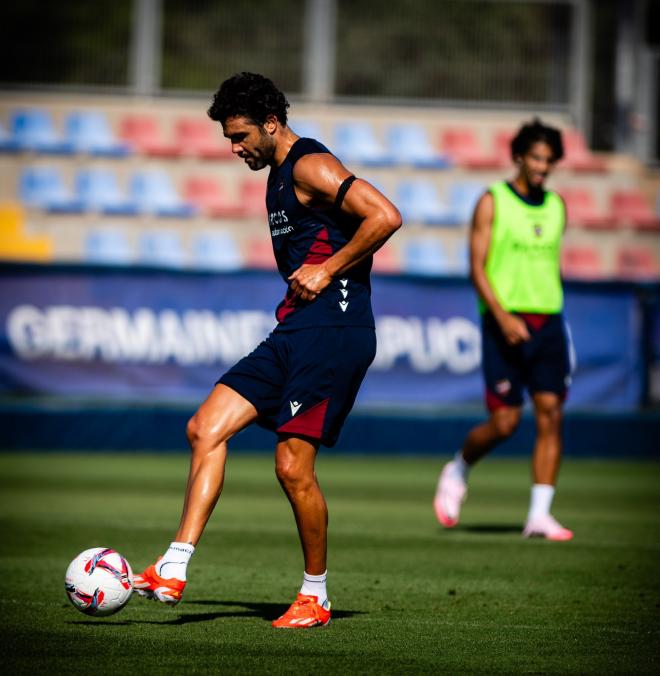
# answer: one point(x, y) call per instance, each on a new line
point(514, 329)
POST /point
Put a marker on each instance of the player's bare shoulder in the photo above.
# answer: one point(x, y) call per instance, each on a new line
point(484, 211)
point(317, 177)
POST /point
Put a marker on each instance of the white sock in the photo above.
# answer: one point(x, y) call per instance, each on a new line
point(314, 585)
point(461, 468)
point(175, 561)
point(541, 500)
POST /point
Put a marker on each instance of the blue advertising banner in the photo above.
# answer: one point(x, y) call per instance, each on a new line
point(163, 336)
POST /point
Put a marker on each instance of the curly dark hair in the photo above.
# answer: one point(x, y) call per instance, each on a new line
point(248, 95)
point(532, 133)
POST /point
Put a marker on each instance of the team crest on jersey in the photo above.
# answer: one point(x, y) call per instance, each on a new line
point(503, 386)
point(538, 230)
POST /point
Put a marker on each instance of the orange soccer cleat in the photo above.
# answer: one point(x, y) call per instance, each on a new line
point(304, 613)
point(152, 586)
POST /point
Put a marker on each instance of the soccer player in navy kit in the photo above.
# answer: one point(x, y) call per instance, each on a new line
point(301, 382)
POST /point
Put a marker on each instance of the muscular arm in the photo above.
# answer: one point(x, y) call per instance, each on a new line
point(317, 179)
point(513, 328)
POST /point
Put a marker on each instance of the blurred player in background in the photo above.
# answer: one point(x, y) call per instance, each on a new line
point(301, 382)
point(515, 243)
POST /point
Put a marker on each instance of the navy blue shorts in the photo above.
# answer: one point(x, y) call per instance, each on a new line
point(541, 364)
point(304, 382)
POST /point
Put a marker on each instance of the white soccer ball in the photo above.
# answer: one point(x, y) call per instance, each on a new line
point(99, 582)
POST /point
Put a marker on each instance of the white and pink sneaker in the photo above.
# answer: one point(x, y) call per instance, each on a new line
point(449, 496)
point(547, 527)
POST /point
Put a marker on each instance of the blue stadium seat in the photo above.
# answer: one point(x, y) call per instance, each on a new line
point(419, 202)
point(7, 143)
point(162, 248)
point(356, 142)
point(98, 190)
point(107, 246)
point(463, 197)
point(462, 259)
point(33, 129)
point(154, 192)
point(307, 129)
point(44, 188)
point(216, 250)
point(409, 144)
point(426, 256)
point(90, 132)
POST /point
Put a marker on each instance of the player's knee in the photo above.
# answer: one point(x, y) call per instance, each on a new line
point(506, 422)
point(548, 417)
point(291, 475)
point(199, 433)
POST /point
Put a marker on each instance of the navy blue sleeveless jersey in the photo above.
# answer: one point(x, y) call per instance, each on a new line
point(301, 235)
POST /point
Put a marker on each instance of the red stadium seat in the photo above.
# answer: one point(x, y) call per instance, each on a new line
point(631, 207)
point(210, 197)
point(637, 263)
point(502, 143)
point(462, 145)
point(199, 137)
point(143, 133)
point(386, 260)
point(577, 155)
point(253, 197)
point(260, 254)
point(582, 210)
point(581, 262)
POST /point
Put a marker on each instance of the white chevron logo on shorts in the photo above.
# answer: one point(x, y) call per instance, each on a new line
point(294, 407)
point(343, 304)
point(343, 282)
point(344, 292)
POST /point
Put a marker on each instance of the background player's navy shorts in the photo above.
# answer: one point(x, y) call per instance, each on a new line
point(304, 382)
point(541, 365)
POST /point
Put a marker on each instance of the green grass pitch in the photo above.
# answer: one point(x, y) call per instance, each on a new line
point(408, 596)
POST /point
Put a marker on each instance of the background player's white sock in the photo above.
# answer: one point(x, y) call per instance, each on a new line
point(175, 561)
point(541, 500)
point(314, 585)
point(461, 468)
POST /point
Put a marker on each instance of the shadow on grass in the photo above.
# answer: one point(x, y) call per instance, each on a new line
point(490, 528)
point(266, 611)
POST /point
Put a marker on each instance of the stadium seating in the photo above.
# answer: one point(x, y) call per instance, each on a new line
point(637, 264)
point(631, 207)
point(356, 142)
point(201, 138)
point(211, 198)
point(216, 250)
point(7, 143)
point(409, 144)
point(253, 197)
point(44, 188)
point(154, 193)
point(581, 262)
point(98, 190)
point(577, 155)
point(33, 129)
point(419, 202)
point(386, 260)
point(307, 129)
point(462, 145)
point(260, 253)
point(426, 256)
point(142, 132)
point(107, 246)
point(502, 144)
point(463, 197)
point(582, 210)
point(161, 248)
point(90, 132)
point(15, 243)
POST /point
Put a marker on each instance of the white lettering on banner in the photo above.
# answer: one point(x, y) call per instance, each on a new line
point(428, 344)
point(69, 333)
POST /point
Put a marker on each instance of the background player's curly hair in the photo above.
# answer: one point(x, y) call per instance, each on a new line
point(248, 95)
point(532, 133)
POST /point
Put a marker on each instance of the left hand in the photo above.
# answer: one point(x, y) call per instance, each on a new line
point(308, 281)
